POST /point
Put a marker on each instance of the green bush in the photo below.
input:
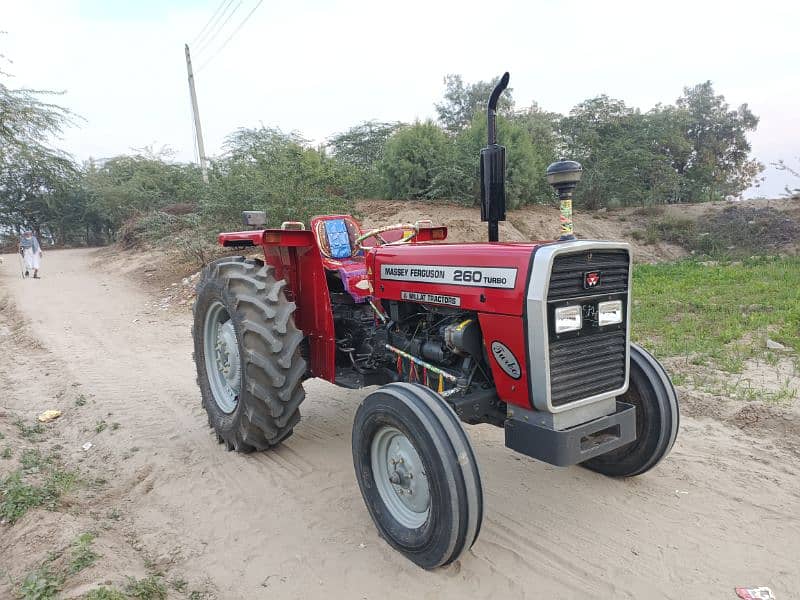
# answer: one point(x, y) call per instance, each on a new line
point(419, 162)
point(266, 169)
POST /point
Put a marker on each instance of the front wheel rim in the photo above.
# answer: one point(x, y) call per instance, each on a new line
point(221, 350)
point(400, 477)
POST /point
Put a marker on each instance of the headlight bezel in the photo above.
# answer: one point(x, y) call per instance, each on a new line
point(610, 307)
point(561, 320)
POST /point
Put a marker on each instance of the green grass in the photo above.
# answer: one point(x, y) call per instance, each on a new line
point(30, 432)
point(147, 588)
point(41, 584)
point(82, 555)
point(33, 461)
point(179, 585)
point(80, 400)
point(47, 580)
point(18, 494)
point(100, 426)
point(104, 593)
point(7, 453)
point(718, 315)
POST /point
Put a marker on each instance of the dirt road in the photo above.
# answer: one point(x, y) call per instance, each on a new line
point(721, 511)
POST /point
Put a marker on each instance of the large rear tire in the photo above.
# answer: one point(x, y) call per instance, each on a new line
point(246, 350)
point(657, 420)
point(417, 472)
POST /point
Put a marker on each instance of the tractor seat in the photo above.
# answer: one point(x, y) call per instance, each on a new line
point(336, 238)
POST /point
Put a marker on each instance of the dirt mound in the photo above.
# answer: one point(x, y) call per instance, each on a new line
point(753, 229)
point(529, 223)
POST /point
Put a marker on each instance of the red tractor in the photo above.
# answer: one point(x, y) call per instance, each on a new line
point(532, 337)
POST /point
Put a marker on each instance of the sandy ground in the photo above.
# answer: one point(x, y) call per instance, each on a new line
point(720, 511)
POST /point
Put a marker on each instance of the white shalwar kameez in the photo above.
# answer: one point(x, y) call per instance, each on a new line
point(31, 259)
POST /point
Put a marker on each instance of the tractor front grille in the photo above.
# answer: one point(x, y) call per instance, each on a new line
point(569, 270)
point(593, 360)
point(585, 366)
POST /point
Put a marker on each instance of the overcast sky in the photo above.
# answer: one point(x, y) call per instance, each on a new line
point(318, 67)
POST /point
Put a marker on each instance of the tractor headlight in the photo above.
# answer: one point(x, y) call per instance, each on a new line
point(568, 318)
point(609, 313)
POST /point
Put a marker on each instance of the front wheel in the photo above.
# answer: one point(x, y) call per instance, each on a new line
point(657, 419)
point(417, 473)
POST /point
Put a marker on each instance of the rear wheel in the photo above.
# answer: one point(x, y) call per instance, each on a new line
point(417, 473)
point(246, 350)
point(657, 419)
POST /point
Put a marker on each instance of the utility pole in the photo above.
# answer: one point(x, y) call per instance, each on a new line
point(196, 112)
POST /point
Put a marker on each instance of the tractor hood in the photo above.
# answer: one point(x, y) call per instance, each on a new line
point(484, 277)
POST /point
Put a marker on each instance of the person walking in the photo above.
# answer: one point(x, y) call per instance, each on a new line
point(31, 253)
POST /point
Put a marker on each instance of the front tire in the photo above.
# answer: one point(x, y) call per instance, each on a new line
point(246, 350)
point(657, 419)
point(417, 472)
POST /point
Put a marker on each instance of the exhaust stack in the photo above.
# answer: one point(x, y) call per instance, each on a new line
point(493, 168)
point(564, 176)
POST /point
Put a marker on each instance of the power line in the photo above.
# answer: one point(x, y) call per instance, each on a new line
point(210, 21)
point(213, 36)
point(230, 37)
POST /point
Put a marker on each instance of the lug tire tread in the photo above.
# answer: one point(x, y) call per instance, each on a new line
point(269, 342)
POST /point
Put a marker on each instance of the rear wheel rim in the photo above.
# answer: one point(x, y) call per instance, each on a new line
point(221, 350)
point(400, 477)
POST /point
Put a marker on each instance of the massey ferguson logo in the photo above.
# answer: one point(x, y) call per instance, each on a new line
point(591, 279)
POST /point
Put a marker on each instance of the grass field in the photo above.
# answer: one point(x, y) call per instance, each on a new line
point(718, 314)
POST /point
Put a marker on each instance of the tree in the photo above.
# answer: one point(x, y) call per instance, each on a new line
point(129, 184)
point(526, 160)
point(27, 122)
point(268, 169)
point(463, 101)
point(719, 163)
point(795, 172)
point(628, 157)
point(361, 148)
point(32, 180)
point(415, 162)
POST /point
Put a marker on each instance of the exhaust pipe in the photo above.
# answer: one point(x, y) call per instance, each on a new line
point(493, 168)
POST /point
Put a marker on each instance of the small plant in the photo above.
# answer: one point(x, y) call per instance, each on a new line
point(179, 585)
point(104, 593)
point(82, 554)
point(114, 426)
point(17, 496)
point(42, 584)
point(7, 453)
point(147, 588)
point(100, 426)
point(32, 460)
point(114, 514)
point(80, 400)
point(28, 431)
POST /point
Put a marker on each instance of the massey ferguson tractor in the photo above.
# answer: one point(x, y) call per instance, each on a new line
point(531, 337)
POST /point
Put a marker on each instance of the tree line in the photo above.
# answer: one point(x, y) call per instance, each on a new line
point(693, 150)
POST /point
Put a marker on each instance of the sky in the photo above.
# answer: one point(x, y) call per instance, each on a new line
point(318, 67)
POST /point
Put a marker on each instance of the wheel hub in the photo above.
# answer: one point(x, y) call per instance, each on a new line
point(223, 364)
point(227, 354)
point(401, 477)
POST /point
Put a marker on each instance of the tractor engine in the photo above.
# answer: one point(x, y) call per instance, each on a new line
point(437, 346)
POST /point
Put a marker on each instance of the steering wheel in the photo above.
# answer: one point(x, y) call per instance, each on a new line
point(376, 233)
